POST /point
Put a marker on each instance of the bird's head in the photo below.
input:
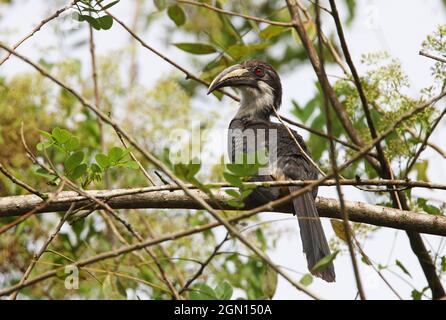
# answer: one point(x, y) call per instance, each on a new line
point(258, 83)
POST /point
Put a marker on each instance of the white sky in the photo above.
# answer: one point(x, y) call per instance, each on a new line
point(398, 26)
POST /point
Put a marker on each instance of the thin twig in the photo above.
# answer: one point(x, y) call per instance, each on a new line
point(166, 255)
point(323, 135)
point(425, 142)
point(307, 157)
point(427, 54)
point(20, 183)
point(37, 28)
point(326, 41)
point(188, 74)
point(236, 14)
point(141, 167)
point(42, 250)
point(204, 264)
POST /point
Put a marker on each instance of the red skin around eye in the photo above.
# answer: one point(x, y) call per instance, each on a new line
point(259, 72)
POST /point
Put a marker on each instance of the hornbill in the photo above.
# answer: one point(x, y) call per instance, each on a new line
point(261, 94)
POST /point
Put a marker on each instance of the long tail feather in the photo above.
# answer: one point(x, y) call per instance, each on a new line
point(314, 243)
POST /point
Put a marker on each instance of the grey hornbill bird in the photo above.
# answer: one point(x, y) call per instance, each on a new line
point(261, 93)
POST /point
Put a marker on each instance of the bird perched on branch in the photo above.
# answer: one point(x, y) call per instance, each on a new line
point(252, 130)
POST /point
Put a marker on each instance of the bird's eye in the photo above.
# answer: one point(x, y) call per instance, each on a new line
point(259, 72)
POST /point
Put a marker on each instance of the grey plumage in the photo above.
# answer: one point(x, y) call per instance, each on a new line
point(252, 130)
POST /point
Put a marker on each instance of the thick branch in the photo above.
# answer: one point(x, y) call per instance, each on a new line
point(357, 211)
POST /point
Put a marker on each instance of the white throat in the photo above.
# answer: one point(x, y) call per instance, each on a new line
point(255, 102)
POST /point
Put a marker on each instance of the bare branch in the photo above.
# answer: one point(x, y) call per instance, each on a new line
point(357, 211)
point(427, 54)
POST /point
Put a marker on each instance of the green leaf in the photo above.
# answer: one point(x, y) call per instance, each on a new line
point(325, 261)
point(239, 51)
point(402, 267)
point(247, 192)
point(121, 288)
point(421, 168)
point(92, 21)
point(72, 144)
point(192, 170)
point(177, 15)
point(236, 169)
point(443, 264)
point(73, 161)
point(351, 6)
point(417, 295)
point(338, 228)
point(217, 94)
point(115, 154)
point(106, 22)
point(132, 165)
point(232, 193)
point(196, 48)
point(43, 173)
point(46, 134)
point(269, 284)
point(304, 113)
point(160, 4)
point(180, 170)
point(103, 160)
point(224, 291)
point(202, 291)
point(306, 280)
point(428, 208)
point(61, 135)
point(233, 180)
point(95, 168)
point(111, 4)
point(272, 32)
point(235, 203)
point(79, 171)
point(44, 145)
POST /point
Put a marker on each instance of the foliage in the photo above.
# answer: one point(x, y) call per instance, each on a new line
point(66, 148)
point(92, 11)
